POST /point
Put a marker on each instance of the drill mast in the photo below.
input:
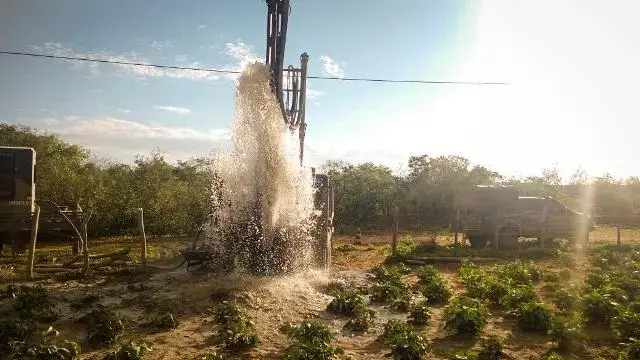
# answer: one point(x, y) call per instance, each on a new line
point(290, 84)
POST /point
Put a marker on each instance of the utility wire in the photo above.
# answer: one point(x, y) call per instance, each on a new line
point(224, 71)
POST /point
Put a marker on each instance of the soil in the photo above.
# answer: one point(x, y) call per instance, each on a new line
point(273, 301)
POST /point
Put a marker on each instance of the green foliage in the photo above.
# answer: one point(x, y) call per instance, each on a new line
point(554, 356)
point(33, 302)
point(519, 273)
point(537, 253)
point(104, 327)
point(311, 341)
point(210, 356)
point(419, 314)
point(491, 348)
point(568, 334)
point(428, 274)
point(15, 330)
point(361, 318)
point(533, 316)
point(565, 301)
point(345, 248)
point(235, 327)
point(599, 309)
point(389, 289)
point(402, 303)
point(465, 316)
point(518, 295)
point(164, 322)
point(496, 291)
point(406, 248)
point(474, 279)
point(404, 342)
point(436, 292)
point(596, 280)
point(344, 303)
point(626, 325)
point(130, 351)
point(44, 348)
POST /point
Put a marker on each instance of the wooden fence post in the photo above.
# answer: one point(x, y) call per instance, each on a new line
point(143, 249)
point(32, 246)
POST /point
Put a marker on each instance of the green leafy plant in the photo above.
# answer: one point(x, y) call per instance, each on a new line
point(568, 334)
point(599, 309)
point(34, 302)
point(311, 341)
point(344, 303)
point(427, 274)
point(402, 303)
point(533, 316)
point(518, 295)
point(130, 351)
point(406, 248)
point(596, 280)
point(235, 327)
point(389, 290)
point(496, 291)
point(516, 272)
point(164, 322)
point(104, 327)
point(554, 356)
point(565, 301)
point(404, 342)
point(465, 316)
point(419, 314)
point(45, 348)
point(360, 319)
point(15, 330)
point(210, 356)
point(474, 279)
point(436, 292)
point(626, 325)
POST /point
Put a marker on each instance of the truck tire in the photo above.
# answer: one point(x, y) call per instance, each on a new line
point(508, 238)
point(477, 241)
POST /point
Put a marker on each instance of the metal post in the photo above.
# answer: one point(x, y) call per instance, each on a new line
point(32, 247)
point(143, 249)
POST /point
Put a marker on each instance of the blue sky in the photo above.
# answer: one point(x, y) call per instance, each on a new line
point(572, 65)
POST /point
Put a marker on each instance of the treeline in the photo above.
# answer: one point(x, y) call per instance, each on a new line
point(175, 197)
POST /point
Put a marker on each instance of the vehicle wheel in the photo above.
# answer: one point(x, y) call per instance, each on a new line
point(477, 241)
point(508, 238)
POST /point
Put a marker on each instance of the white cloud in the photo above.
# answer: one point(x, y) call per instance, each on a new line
point(122, 139)
point(58, 49)
point(202, 26)
point(161, 45)
point(330, 67)
point(312, 95)
point(174, 110)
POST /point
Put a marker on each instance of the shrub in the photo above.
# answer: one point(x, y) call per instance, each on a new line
point(383, 273)
point(104, 327)
point(564, 300)
point(419, 314)
point(518, 295)
point(33, 302)
point(554, 356)
point(389, 290)
point(403, 341)
point(344, 303)
point(465, 316)
point(402, 303)
point(496, 291)
point(626, 325)
point(550, 277)
point(618, 295)
point(568, 334)
point(406, 248)
point(436, 292)
point(427, 274)
point(474, 279)
point(130, 351)
point(164, 322)
point(631, 351)
point(15, 330)
point(44, 349)
point(360, 319)
point(516, 272)
point(311, 340)
point(599, 309)
point(596, 280)
point(533, 316)
point(491, 348)
point(236, 328)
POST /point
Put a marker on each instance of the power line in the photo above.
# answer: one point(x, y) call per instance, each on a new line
point(224, 71)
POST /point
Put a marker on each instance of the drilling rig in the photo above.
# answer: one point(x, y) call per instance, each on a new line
point(290, 88)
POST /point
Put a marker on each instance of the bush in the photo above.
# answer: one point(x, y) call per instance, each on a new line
point(554, 356)
point(104, 327)
point(599, 309)
point(344, 303)
point(516, 272)
point(406, 248)
point(518, 295)
point(565, 301)
point(164, 322)
point(360, 319)
point(596, 280)
point(403, 341)
point(419, 314)
point(236, 329)
point(403, 303)
point(490, 349)
point(44, 349)
point(496, 291)
point(533, 316)
point(388, 291)
point(436, 292)
point(568, 334)
point(465, 316)
point(33, 302)
point(130, 351)
point(311, 340)
point(626, 325)
point(15, 330)
point(427, 274)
